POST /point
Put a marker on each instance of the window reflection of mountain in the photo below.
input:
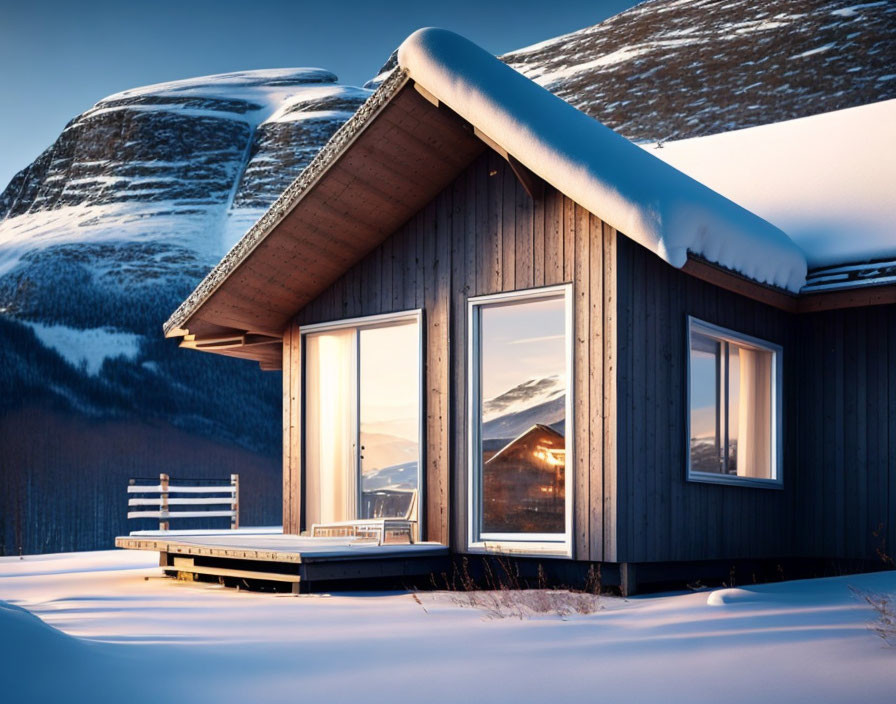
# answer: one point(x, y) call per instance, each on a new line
point(706, 456)
point(524, 484)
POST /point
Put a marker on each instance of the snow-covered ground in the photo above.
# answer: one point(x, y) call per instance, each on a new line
point(109, 628)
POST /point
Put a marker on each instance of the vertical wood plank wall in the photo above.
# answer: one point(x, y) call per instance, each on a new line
point(292, 428)
point(839, 409)
point(482, 235)
point(847, 433)
point(661, 515)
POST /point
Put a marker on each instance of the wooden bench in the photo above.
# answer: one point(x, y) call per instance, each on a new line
point(385, 531)
point(198, 507)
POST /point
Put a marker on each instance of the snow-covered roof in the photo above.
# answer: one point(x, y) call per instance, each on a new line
point(643, 197)
point(649, 201)
point(826, 180)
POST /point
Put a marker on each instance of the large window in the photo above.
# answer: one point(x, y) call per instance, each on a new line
point(734, 418)
point(519, 421)
point(362, 415)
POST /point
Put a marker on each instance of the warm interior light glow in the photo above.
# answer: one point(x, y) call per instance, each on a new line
point(329, 445)
point(731, 405)
point(552, 456)
point(362, 422)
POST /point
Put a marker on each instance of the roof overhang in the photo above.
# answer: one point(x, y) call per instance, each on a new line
point(393, 156)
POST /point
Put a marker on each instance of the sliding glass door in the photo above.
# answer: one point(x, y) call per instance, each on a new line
point(363, 419)
point(388, 420)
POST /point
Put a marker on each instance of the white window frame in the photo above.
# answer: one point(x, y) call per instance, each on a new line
point(720, 333)
point(374, 321)
point(547, 544)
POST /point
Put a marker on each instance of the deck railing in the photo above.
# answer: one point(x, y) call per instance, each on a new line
point(199, 507)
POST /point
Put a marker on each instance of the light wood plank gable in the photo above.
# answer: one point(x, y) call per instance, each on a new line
point(484, 234)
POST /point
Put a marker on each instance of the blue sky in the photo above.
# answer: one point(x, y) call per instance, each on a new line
point(59, 58)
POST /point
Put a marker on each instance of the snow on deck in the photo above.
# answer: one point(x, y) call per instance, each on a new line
point(658, 206)
point(288, 547)
point(109, 628)
point(826, 180)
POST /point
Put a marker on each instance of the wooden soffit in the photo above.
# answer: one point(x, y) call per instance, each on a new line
point(384, 165)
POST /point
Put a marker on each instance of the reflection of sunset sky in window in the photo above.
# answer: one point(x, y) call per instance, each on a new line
point(704, 383)
point(523, 348)
point(522, 341)
point(390, 379)
point(703, 394)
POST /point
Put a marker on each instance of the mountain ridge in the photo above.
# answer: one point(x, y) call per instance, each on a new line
point(104, 235)
point(689, 68)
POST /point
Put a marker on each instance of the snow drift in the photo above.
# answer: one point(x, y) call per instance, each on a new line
point(134, 636)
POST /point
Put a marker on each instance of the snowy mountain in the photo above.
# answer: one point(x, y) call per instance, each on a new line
point(186, 163)
point(516, 410)
point(397, 477)
point(101, 238)
point(498, 431)
point(670, 69)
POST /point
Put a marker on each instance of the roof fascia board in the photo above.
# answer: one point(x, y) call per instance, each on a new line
point(855, 297)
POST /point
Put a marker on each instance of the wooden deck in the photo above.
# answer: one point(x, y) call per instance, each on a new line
point(300, 563)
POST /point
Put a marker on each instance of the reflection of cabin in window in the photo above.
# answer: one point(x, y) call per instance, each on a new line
point(523, 484)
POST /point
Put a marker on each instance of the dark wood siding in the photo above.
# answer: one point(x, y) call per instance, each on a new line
point(839, 405)
point(847, 432)
point(661, 515)
point(482, 235)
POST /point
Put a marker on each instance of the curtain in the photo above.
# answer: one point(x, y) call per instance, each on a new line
point(329, 422)
point(754, 412)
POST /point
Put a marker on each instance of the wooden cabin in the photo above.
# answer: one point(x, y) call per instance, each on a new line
point(563, 348)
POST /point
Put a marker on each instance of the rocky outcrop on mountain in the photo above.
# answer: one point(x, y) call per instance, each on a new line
point(110, 228)
point(668, 70)
point(284, 143)
point(200, 147)
point(671, 69)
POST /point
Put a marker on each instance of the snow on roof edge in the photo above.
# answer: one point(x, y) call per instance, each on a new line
point(649, 201)
point(838, 216)
point(789, 274)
